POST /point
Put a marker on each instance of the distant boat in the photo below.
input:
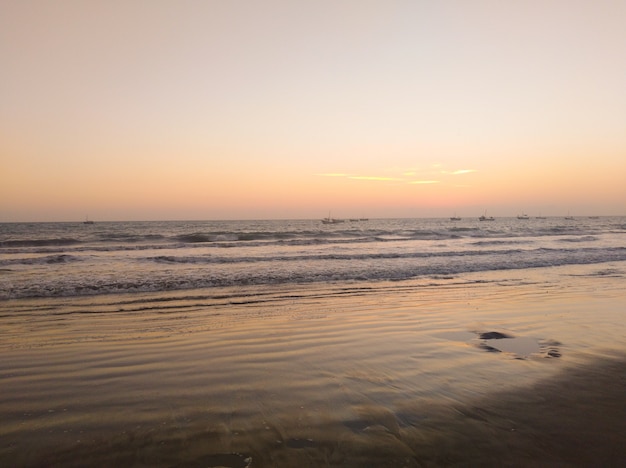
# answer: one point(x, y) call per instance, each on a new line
point(329, 220)
point(568, 217)
point(87, 221)
point(455, 218)
point(523, 216)
point(540, 217)
point(486, 218)
point(594, 217)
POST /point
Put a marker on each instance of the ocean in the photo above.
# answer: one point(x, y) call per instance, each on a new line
point(291, 343)
point(76, 259)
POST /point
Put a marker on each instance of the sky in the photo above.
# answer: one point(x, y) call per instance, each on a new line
point(277, 109)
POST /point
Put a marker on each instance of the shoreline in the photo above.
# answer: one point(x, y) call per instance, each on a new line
point(385, 374)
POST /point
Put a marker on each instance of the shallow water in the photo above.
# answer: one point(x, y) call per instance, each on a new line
point(372, 374)
point(73, 259)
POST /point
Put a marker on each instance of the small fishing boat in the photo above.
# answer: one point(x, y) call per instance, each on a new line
point(329, 220)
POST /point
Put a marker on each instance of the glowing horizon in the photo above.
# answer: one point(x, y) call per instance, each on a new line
point(205, 110)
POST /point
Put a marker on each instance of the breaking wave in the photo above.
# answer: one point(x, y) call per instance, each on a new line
point(61, 259)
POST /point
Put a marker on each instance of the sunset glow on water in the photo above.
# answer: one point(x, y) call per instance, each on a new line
point(301, 234)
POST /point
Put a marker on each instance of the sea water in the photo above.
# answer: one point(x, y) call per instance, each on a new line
point(76, 259)
point(395, 342)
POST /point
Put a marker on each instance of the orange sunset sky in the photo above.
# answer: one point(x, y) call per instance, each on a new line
point(139, 110)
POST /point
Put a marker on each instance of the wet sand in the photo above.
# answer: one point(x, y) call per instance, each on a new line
point(505, 371)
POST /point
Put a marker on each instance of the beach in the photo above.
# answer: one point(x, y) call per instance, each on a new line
point(409, 373)
point(302, 234)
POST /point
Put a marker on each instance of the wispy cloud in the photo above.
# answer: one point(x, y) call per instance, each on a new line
point(406, 175)
point(462, 171)
point(373, 178)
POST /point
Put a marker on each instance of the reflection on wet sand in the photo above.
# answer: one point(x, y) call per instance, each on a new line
point(577, 418)
point(392, 376)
